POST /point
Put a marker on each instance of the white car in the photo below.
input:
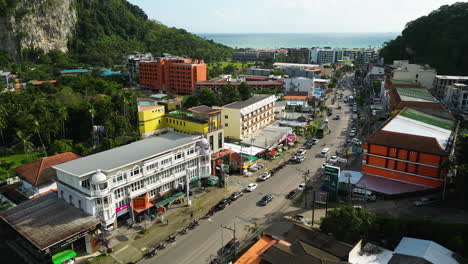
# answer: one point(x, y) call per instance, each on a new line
point(251, 187)
point(301, 152)
point(333, 159)
point(324, 152)
point(301, 186)
point(264, 176)
point(357, 142)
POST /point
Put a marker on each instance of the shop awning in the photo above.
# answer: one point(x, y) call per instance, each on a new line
point(139, 210)
point(195, 179)
point(168, 200)
point(60, 257)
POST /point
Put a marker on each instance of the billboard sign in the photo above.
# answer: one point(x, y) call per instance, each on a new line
point(332, 175)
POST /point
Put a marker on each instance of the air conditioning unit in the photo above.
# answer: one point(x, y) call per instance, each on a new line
point(364, 161)
point(365, 150)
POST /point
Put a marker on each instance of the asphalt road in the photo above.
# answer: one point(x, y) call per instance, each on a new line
point(202, 244)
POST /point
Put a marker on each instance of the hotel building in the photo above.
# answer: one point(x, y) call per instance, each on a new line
point(243, 118)
point(172, 74)
point(107, 184)
point(411, 147)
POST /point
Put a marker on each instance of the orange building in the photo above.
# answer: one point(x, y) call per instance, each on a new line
point(411, 148)
point(172, 75)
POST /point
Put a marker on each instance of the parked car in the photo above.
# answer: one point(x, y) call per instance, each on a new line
point(297, 159)
point(336, 117)
point(265, 200)
point(423, 201)
point(260, 166)
point(301, 186)
point(308, 145)
point(292, 194)
point(301, 152)
point(253, 168)
point(264, 176)
point(222, 204)
point(333, 159)
point(236, 195)
point(352, 134)
point(324, 152)
point(251, 187)
point(356, 142)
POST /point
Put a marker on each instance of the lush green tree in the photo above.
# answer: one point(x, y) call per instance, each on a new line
point(61, 146)
point(191, 101)
point(229, 94)
point(298, 130)
point(207, 97)
point(245, 91)
point(24, 143)
point(311, 130)
point(442, 47)
point(348, 224)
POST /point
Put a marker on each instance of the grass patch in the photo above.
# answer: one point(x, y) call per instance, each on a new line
point(427, 120)
point(8, 163)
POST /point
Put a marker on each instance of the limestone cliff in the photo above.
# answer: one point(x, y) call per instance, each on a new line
point(38, 24)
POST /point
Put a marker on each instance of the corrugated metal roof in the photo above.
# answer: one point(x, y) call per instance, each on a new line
point(425, 249)
point(47, 220)
point(118, 157)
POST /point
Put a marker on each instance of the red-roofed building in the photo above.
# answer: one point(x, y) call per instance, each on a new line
point(38, 176)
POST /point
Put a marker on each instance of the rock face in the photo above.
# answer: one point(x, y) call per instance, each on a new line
point(45, 25)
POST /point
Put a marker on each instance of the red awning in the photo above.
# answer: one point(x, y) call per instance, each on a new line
point(139, 210)
point(273, 152)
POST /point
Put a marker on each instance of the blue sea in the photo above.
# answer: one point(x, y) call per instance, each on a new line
point(298, 40)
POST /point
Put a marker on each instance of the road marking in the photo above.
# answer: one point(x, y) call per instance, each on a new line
point(120, 250)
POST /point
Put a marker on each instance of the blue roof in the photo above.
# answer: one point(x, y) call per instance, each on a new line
point(107, 72)
point(75, 71)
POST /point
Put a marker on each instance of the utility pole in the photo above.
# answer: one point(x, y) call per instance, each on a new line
point(313, 209)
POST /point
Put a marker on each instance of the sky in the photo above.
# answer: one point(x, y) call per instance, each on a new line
point(288, 16)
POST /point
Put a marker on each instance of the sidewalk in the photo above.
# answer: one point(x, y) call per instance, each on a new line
point(130, 244)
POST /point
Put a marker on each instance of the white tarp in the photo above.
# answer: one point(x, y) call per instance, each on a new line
point(251, 150)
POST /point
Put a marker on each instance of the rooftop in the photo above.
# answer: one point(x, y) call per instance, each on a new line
point(40, 171)
point(32, 220)
point(243, 104)
point(416, 95)
point(428, 250)
point(448, 77)
point(295, 97)
point(204, 110)
point(119, 157)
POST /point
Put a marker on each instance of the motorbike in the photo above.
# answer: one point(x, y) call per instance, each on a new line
point(171, 239)
point(183, 231)
point(161, 246)
point(151, 253)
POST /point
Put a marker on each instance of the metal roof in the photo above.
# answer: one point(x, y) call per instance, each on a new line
point(243, 104)
point(47, 220)
point(122, 156)
point(425, 249)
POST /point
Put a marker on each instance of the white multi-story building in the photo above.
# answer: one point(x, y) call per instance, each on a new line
point(442, 81)
point(456, 97)
point(323, 55)
point(404, 71)
point(106, 183)
point(243, 118)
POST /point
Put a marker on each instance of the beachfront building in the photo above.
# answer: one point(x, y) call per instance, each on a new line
point(443, 81)
point(199, 120)
point(456, 97)
point(112, 184)
point(411, 147)
point(173, 75)
point(404, 71)
point(323, 55)
point(243, 118)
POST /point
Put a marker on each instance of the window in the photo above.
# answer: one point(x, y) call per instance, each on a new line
point(226, 124)
point(79, 204)
point(70, 199)
point(85, 184)
point(135, 171)
point(211, 142)
point(226, 116)
point(61, 195)
point(190, 151)
point(220, 140)
point(103, 186)
point(166, 161)
point(151, 166)
point(119, 193)
point(178, 156)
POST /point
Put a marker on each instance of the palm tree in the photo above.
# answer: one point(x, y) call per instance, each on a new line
point(27, 145)
point(37, 126)
point(297, 130)
point(311, 130)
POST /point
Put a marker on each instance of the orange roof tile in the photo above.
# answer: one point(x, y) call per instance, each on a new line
point(252, 256)
point(295, 97)
point(39, 172)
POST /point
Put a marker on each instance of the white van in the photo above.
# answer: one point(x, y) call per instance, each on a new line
point(363, 194)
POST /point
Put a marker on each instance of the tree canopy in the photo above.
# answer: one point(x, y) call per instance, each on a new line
point(438, 39)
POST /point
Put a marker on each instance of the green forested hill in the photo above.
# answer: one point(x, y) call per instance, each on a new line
point(439, 39)
point(108, 28)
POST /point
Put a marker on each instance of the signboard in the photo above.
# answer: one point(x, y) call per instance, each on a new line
point(321, 197)
point(354, 149)
point(332, 175)
point(140, 203)
point(122, 210)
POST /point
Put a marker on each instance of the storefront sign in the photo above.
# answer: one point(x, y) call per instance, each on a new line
point(221, 154)
point(140, 203)
point(332, 175)
point(122, 210)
